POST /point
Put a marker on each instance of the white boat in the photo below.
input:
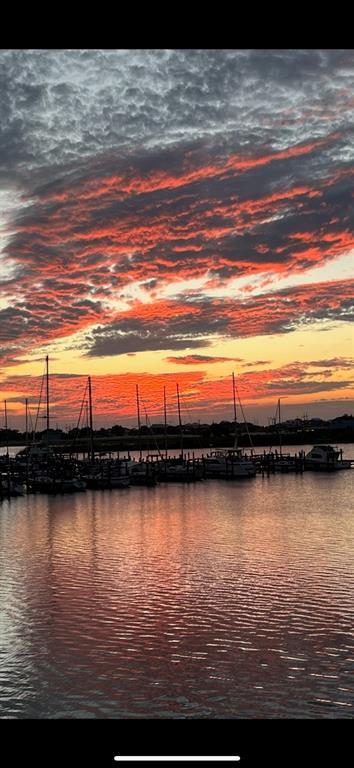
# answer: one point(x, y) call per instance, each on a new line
point(36, 451)
point(325, 457)
point(45, 483)
point(228, 464)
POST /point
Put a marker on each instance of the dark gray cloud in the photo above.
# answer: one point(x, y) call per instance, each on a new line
point(194, 359)
point(257, 362)
point(178, 328)
point(333, 362)
point(135, 335)
point(109, 344)
point(310, 387)
point(60, 105)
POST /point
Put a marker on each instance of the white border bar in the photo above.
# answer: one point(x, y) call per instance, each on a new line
point(176, 758)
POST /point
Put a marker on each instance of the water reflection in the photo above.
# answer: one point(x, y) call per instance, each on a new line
point(206, 600)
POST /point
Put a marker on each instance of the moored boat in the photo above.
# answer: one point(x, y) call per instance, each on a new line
point(52, 484)
point(179, 471)
point(228, 464)
point(327, 458)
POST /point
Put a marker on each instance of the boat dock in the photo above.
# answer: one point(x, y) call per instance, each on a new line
point(53, 474)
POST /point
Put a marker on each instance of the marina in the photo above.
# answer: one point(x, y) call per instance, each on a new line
point(45, 472)
point(40, 467)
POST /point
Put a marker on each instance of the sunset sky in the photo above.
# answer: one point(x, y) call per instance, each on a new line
point(172, 216)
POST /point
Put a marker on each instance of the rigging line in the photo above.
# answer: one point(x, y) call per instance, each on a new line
point(79, 419)
point(150, 427)
point(38, 408)
point(244, 418)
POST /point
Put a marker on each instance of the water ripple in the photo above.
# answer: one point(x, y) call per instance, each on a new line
point(202, 601)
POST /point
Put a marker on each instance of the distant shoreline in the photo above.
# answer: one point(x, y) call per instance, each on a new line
point(194, 441)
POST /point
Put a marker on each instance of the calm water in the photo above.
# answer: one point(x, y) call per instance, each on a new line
point(209, 600)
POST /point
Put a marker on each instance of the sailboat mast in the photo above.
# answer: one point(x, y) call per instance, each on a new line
point(7, 438)
point(92, 452)
point(165, 419)
point(26, 420)
point(279, 428)
point(47, 393)
point(139, 423)
point(27, 442)
point(234, 394)
point(235, 413)
point(87, 425)
point(147, 444)
point(180, 420)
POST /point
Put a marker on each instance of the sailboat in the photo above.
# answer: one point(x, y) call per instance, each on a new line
point(180, 470)
point(229, 463)
point(46, 473)
point(39, 451)
point(141, 472)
